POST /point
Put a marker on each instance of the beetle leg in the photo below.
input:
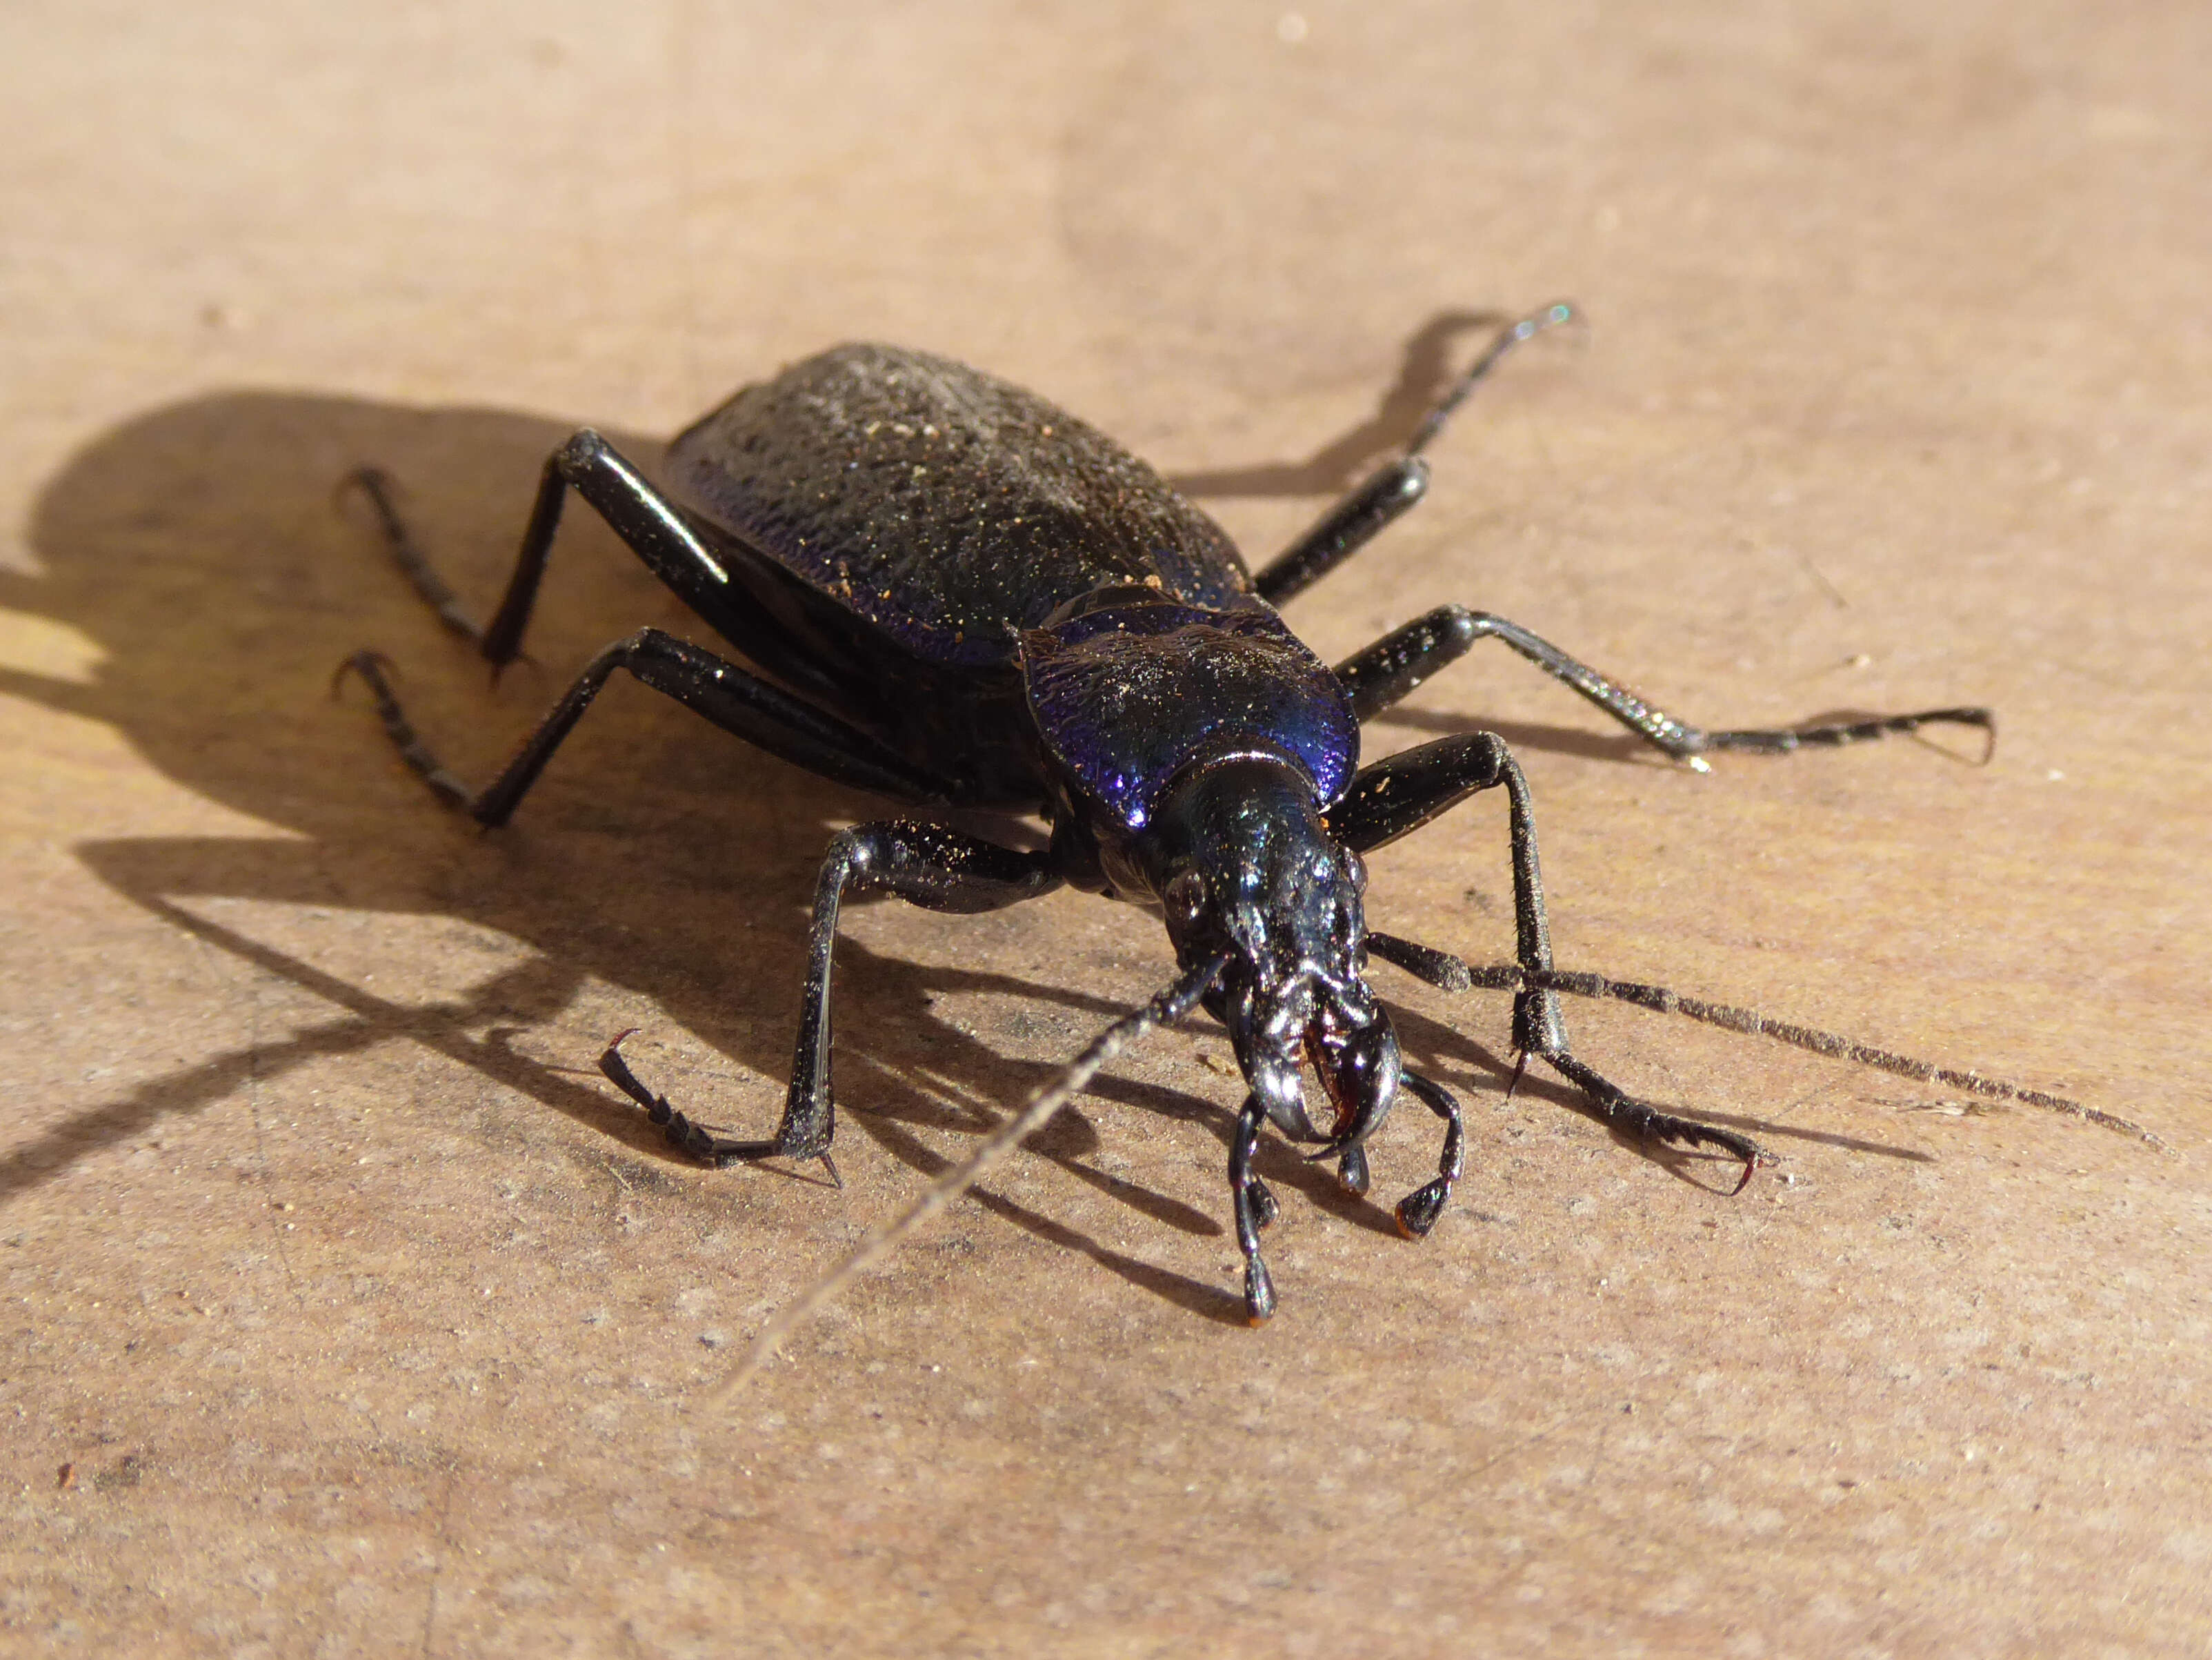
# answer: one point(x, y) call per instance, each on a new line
point(1352, 522)
point(1419, 1210)
point(682, 1132)
point(1403, 791)
point(1265, 1206)
point(671, 544)
point(376, 485)
point(635, 511)
point(1397, 795)
point(762, 715)
point(1390, 668)
point(925, 864)
point(786, 727)
point(595, 469)
point(1639, 1118)
point(375, 670)
point(1259, 1289)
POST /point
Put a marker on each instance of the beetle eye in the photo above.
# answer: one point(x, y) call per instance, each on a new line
point(1356, 868)
point(1185, 897)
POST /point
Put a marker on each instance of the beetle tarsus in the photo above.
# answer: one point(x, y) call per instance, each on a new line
point(1418, 1212)
point(376, 485)
point(1520, 1072)
point(373, 669)
point(1639, 1118)
point(678, 1130)
point(1259, 1288)
point(1351, 1172)
point(1835, 733)
point(1513, 334)
point(1265, 1206)
point(1259, 1293)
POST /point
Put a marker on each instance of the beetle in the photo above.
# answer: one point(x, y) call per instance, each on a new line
point(948, 592)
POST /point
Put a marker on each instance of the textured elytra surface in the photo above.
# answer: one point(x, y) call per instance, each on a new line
point(951, 508)
point(1124, 698)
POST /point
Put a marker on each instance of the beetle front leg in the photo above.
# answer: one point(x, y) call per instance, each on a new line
point(925, 864)
point(1419, 1210)
point(1401, 659)
point(1254, 1208)
point(680, 1130)
point(1396, 796)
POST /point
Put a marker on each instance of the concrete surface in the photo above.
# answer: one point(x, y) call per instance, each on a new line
point(349, 1312)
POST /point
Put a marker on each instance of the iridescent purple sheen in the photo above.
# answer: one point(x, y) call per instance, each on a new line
point(1125, 697)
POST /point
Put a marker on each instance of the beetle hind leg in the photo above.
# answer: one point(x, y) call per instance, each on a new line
point(653, 527)
point(1358, 518)
point(374, 485)
point(374, 669)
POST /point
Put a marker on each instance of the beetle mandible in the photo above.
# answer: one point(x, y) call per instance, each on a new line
point(949, 591)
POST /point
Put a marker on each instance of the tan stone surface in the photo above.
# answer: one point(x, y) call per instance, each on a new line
point(366, 1319)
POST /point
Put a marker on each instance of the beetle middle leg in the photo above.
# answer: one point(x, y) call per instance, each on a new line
point(1396, 796)
point(926, 865)
point(738, 702)
point(1379, 675)
point(1401, 659)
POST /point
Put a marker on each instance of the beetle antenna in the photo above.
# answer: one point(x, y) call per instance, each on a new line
point(1170, 1005)
point(1559, 311)
point(1449, 973)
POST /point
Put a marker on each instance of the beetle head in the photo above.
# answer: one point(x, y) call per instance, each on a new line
point(1242, 863)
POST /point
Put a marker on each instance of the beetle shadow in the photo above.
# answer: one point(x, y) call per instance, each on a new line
point(201, 550)
point(1426, 367)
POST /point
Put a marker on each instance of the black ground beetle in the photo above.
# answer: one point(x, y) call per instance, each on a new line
point(955, 593)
